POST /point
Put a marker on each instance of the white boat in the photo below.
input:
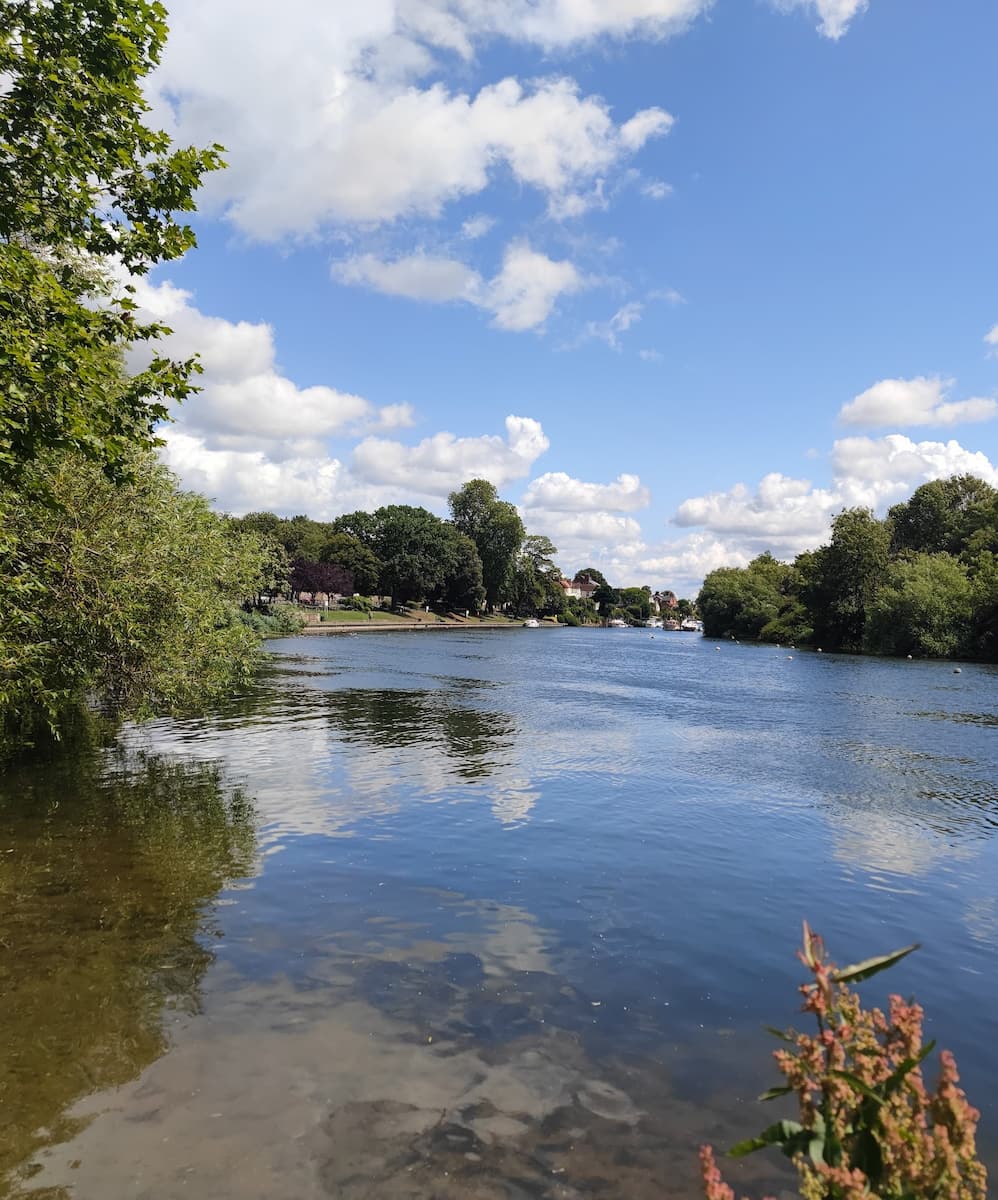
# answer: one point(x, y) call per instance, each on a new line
point(671, 625)
point(653, 623)
point(690, 626)
point(617, 623)
point(531, 623)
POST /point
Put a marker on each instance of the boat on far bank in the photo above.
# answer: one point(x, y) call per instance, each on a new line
point(531, 623)
point(691, 626)
point(617, 623)
point(671, 625)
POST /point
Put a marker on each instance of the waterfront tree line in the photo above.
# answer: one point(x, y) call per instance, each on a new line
point(481, 558)
point(923, 582)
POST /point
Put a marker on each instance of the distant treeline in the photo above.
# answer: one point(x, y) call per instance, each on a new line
point(482, 557)
point(923, 581)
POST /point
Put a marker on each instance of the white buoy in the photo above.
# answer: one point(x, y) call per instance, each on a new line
point(820, 651)
point(790, 658)
point(957, 671)
point(909, 658)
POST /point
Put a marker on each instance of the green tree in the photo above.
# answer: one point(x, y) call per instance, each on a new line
point(942, 515)
point(845, 578)
point(541, 551)
point(589, 573)
point(82, 180)
point(495, 527)
point(924, 607)
point(345, 550)
point(741, 602)
point(462, 587)
point(125, 593)
point(415, 550)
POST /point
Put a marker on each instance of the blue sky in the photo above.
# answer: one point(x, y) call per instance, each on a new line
point(682, 278)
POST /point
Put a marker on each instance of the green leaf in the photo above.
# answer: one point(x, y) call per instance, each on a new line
point(773, 1093)
point(869, 967)
point(782, 1034)
point(776, 1135)
point(891, 1085)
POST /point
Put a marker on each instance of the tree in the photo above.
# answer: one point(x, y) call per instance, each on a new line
point(924, 607)
point(84, 180)
point(606, 599)
point(846, 576)
point(126, 594)
point(462, 587)
point(541, 551)
point(415, 550)
point(495, 527)
point(741, 602)
point(588, 573)
point(942, 514)
point(314, 577)
point(349, 552)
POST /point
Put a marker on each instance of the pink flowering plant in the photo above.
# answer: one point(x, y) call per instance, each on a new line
point(869, 1127)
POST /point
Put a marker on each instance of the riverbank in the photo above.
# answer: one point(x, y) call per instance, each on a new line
point(439, 623)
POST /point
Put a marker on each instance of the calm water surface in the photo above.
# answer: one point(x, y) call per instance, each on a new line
point(479, 914)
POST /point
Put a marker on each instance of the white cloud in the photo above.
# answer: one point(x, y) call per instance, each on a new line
point(656, 189)
point(608, 331)
point(787, 515)
point(416, 277)
point(245, 401)
point(521, 296)
point(441, 463)
point(558, 492)
point(920, 401)
point(552, 24)
point(651, 355)
point(876, 469)
point(991, 338)
point(325, 122)
point(525, 291)
point(477, 226)
point(834, 16)
point(682, 564)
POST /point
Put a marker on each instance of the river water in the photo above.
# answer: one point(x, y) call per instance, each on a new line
point(493, 914)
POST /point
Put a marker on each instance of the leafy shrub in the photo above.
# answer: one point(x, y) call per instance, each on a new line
point(869, 1128)
point(569, 618)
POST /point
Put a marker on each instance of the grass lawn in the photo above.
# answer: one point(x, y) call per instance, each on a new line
point(340, 616)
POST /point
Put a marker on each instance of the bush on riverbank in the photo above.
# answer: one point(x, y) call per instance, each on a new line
point(924, 582)
point(122, 595)
point(869, 1126)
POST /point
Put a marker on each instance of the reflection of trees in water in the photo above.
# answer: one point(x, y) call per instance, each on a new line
point(473, 739)
point(108, 863)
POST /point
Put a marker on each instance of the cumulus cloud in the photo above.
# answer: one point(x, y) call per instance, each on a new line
point(521, 296)
point(441, 463)
point(559, 492)
point(326, 120)
point(834, 16)
point(245, 401)
point(991, 338)
point(787, 515)
point(920, 401)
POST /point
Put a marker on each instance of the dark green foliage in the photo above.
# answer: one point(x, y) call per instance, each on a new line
point(495, 527)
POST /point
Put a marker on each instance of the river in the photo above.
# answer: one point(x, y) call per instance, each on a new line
point(494, 914)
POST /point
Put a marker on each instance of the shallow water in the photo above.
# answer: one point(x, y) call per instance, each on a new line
point(492, 914)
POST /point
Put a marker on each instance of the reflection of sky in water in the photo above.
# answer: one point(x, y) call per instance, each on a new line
point(576, 862)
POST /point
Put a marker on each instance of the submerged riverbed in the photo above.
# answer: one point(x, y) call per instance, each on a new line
point(483, 915)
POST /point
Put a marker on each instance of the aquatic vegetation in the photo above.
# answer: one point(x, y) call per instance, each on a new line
point(869, 1126)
